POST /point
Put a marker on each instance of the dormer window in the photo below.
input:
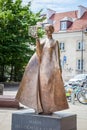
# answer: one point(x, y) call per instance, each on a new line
point(63, 25)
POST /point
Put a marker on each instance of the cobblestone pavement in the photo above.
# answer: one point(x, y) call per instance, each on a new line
point(79, 109)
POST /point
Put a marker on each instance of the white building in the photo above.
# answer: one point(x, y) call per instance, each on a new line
point(70, 31)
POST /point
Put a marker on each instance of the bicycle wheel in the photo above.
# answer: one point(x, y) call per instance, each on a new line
point(82, 96)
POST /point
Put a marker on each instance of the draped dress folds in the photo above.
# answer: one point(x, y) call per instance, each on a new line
point(42, 86)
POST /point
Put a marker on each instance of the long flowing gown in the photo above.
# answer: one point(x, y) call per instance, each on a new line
point(42, 86)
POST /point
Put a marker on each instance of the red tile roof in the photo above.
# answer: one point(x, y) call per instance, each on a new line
point(77, 25)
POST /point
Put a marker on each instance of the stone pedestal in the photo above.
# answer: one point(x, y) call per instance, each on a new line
point(23, 120)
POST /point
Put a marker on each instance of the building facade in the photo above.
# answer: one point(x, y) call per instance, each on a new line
point(71, 32)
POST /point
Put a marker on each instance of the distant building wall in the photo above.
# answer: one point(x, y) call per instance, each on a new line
point(71, 53)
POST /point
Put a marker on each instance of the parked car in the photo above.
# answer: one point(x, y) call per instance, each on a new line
point(78, 79)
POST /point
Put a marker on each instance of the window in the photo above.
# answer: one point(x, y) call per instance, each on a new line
point(80, 46)
point(63, 25)
point(80, 64)
point(62, 46)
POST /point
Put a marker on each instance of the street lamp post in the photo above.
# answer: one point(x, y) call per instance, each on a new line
point(84, 31)
point(82, 53)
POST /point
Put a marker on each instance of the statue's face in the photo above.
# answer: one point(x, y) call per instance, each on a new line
point(48, 31)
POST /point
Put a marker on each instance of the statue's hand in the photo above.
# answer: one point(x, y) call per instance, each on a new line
point(33, 31)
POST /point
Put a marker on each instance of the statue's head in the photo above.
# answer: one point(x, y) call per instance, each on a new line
point(49, 28)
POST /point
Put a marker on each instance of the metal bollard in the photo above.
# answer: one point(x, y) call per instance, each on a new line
point(1, 89)
point(73, 97)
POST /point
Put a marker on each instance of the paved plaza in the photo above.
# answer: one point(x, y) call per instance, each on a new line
point(79, 109)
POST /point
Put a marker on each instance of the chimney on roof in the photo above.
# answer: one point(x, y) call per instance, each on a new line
point(81, 10)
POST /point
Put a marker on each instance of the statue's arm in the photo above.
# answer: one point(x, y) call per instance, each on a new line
point(58, 56)
point(38, 49)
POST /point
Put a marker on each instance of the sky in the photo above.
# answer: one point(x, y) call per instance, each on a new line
point(57, 5)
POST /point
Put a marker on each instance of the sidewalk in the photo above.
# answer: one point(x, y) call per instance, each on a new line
point(79, 109)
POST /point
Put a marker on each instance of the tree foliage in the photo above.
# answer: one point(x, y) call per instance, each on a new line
point(15, 44)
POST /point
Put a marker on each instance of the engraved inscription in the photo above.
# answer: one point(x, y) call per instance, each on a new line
point(32, 123)
point(28, 127)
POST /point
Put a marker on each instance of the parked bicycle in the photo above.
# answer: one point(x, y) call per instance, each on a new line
point(82, 95)
point(77, 91)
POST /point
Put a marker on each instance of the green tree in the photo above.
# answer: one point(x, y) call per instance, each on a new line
point(15, 44)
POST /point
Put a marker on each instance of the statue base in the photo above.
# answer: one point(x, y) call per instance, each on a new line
point(23, 120)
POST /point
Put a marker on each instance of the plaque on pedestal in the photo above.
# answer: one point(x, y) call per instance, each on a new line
point(23, 120)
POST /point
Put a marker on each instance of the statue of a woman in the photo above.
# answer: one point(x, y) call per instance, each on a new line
point(42, 86)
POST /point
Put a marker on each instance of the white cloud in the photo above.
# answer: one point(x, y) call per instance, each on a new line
point(57, 5)
point(50, 2)
point(53, 1)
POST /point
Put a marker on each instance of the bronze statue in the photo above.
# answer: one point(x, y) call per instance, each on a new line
point(42, 86)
